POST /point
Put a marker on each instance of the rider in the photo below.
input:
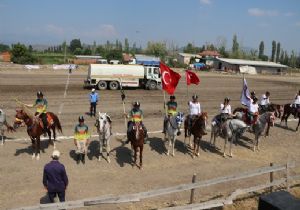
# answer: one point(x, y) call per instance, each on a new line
point(265, 101)
point(252, 95)
point(135, 115)
point(41, 105)
point(195, 111)
point(225, 110)
point(171, 110)
point(253, 110)
point(81, 139)
point(296, 103)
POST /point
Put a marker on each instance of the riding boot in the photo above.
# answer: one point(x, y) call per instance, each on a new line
point(78, 158)
point(83, 158)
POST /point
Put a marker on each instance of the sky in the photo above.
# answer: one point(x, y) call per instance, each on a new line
point(176, 22)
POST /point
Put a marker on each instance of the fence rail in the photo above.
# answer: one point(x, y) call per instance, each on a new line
point(135, 197)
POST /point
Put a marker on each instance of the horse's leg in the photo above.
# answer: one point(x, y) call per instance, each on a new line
point(54, 137)
point(173, 145)
point(233, 138)
point(135, 155)
point(267, 131)
point(194, 148)
point(34, 146)
point(141, 156)
point(38, 140)
point(286, 118)
point(2, 137)
point(170, 144)
point(225, 142)
point(108, 150)
point(198, 146)
point(50, 140)
point(298, 123)
point(100, 149)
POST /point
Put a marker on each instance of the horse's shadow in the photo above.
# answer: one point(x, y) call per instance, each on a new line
point(123, 155)
point(29, 150)
point(244, 141)
point(158, 145)
point(93, 149)
point(207, 147)
point(180, 147)
point(284, 127)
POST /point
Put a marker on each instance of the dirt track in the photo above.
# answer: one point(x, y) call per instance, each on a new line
point(20, 177)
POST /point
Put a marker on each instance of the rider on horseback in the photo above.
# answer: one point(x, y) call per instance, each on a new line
point(253, 110)
point(296, 104)
point(171, 111)
point(81, 139)
point(195, 111)
point(41, 105)
point(135, 115)
point(265, 101)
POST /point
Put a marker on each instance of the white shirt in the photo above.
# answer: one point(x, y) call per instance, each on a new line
point(264, 100)
point(297, 99)
point(253, 108)
point(226, 110)
point(195, 108)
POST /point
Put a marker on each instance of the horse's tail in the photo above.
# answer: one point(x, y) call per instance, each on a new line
point(56, 122)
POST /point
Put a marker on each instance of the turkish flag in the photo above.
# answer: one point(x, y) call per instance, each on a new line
point(169, 78)
point(191, 78)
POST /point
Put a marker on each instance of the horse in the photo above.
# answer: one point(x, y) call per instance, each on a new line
point(260, 125)
point(196, 131)
point(35, 129)
point(231, 130)
point(287, 111)
point(3, 123)
point(103, 125)
point(136, 137)
point(173, 129)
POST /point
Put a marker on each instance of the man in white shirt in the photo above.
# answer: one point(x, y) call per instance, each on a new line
point(265, 101)
point(225, 109)
point(296, 104)
point(253, 111)
point(195, 111)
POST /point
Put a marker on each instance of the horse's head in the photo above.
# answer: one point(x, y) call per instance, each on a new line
point(204, 117)
point(179, 119)
point(102, 120)
point(271, 118)
point(20, 118)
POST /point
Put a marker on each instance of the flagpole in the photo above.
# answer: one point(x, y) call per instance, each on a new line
point(187, 90)
point(165, 102)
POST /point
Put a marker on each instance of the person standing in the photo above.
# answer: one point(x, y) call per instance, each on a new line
point(93, 102)
point(81, 140)
point(265, 101)
point(55, 179)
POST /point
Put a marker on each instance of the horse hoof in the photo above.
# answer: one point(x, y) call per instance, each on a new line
point(198, 154)
point(33, 156)
point(231, 155)
point(38, 157)
point(173, 155)
point(99, 159)
point(108, 160)
point(224, 155)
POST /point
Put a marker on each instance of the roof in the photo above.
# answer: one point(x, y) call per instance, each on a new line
point(188, 55)
point(88, 56)
point(209, 53)
point(147, 60)
point(252, 63)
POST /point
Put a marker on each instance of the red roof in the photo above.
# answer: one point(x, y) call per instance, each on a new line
point(209, 53)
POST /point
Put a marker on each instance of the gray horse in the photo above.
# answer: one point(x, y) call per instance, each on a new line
point(230, 130)
point(259, 127)
point(103, 124)
point(173, 125)
point(3, 123)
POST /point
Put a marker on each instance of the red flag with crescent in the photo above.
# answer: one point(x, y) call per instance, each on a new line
point(169, 78)
point(191, 78)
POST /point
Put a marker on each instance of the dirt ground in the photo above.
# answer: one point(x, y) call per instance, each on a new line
point(21, 177)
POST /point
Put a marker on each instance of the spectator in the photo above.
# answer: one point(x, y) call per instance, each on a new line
point(55, 178)
point(93, 100)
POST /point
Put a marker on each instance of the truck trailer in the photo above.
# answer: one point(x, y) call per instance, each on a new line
point(107, 76)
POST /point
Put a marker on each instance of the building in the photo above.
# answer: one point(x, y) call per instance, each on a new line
point(249, 66)
point(208, 57)
point(185, 58)
point(5, 57)
point(146, 60)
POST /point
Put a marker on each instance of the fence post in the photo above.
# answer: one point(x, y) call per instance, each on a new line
point(271, 177)
point(193, 190)
point(287, 176)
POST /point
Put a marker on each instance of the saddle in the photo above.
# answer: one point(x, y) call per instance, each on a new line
point(247, 117)
point(50, 121)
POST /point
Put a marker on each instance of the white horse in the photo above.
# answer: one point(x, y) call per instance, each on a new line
point(173, 129)
point(103, 124)
point(3, 124)
point(230, 130)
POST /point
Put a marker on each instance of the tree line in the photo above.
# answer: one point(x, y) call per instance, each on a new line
point(113, 50)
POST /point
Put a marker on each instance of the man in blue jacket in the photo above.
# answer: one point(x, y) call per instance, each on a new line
point(93, 100)
point(55, 178)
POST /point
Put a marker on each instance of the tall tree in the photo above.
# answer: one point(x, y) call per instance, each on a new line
point(4, 47)
point(74, 44)
point(126, 46)
point(273, 51)
point(235, 46)
point(277, 52)
point(157, 48)
point(261, 49)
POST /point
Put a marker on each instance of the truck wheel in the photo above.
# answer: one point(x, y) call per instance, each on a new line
point(114, 85)
point(102, 85)
point(152, 85)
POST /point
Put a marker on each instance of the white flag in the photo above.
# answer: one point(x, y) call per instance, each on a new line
point(245, 95)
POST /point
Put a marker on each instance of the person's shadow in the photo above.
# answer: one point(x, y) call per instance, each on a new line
point(93, 149)
point(158, 145)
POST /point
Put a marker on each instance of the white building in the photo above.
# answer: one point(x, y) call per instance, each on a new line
point(186, 57)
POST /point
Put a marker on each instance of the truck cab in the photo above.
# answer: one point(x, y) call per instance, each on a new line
point(152, 77)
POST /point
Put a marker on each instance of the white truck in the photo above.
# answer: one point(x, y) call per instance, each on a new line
point(104, 76)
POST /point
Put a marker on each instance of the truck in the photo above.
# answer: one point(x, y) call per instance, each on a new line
point(113, 77)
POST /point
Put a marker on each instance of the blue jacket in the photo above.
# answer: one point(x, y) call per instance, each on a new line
point(94, 97)
point(55, 178)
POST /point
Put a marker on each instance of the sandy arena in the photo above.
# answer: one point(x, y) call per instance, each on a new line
point(21, 177)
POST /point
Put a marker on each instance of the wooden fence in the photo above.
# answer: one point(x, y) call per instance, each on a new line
point(135, 197)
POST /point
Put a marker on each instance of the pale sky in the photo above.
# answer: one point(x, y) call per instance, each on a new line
point(174, 21)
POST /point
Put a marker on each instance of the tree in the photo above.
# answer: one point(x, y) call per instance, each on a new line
point(157, 49)
point(94, 48)
point(114, 54)
point(87, 51)
point(281, 56)
point(126, 46)
point(74, 44)
point(235, 47)
point(273, 51)
point(4, 47)
point(21, 55)
point(190, 48)
point(100, 50)
point(277, 52)
point(77, 51)
point(261, 50)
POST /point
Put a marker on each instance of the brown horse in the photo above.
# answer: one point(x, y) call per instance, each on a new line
point(136, 137)
point(287, 111)
point(35, 129)
point(196, 130)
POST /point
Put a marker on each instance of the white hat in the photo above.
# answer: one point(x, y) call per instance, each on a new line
point(55, 153)
point(93, 90)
